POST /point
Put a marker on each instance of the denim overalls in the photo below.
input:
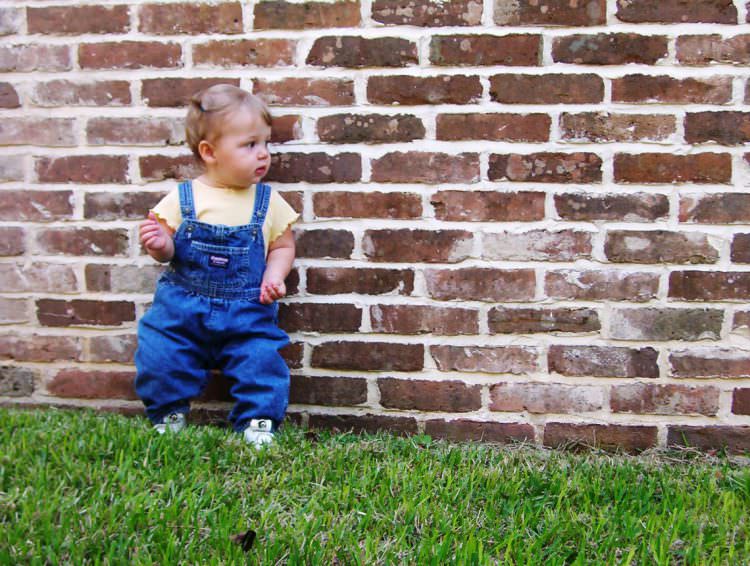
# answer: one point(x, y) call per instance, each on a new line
point(207, 314)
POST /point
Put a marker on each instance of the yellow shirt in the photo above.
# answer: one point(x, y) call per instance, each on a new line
point(231, 207)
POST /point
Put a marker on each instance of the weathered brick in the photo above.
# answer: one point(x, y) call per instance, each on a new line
point(741, 401)
point(601, 285)
point(17, 381)
point(741, 248)
point(277, 14)
point(55, 312)
point(488, 206)
point(190, 18)
point(516, 360)
point(81, 384)
point(494, 127)
point(344, 204)
point(545, 398)
point(244, 53)
point(293, 354)
point(10, 20)
point(550, 13)
point(12, 241)
point(122, 278)
point(83, 241)
point(320, 317)
point(37, 277)
point(709, 285)
point(603, 361)
point(84, 169)
point(319, 167)
point(135, 131)
point(547, 89)
point(465, 429)
point(36, 206)
point(286, 128)
point(369, 128)
point(324, 243)
point(741, 319)
point(546, 167)
point(409, 91)
point(35, 57)
point(537, 245)
point(365, 423)
point(112, 348)
point(603, 127)
point(658, 246)
point(710, 362)
point(39, 348)
point(661, 324)
point(424, 395)
point(609, 49)
point(162, 167)
point(53, 132)
point(62, 92)
point(11, 168)
point(707, 49)
point(669, 90)
point(14, 311)
point(670, 168)
point(733, 439)
point(426, 167)
point(9, 96)
point(481, 284)
point(176, 92)
point(341, 280)
point(671, 399)
point(130, 55)
point(588, 207)
point(523, 50)
point(725, 128)
point(421, 319)
point(718, 208)
point(329, 391)
point(427, 13)
point(677, 11)
point(358, 52)
point(119, 206)
point(410, 246)
point(305, 92)
point(367, 356)
point(77, 20)
point(632, 439)
point(504, 320)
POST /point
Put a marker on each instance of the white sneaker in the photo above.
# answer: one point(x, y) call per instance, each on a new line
point(259, 432)
point(173, 422)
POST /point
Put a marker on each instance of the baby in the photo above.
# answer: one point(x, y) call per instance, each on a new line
point(229, 245)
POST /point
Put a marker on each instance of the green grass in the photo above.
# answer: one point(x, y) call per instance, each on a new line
point(82, 488)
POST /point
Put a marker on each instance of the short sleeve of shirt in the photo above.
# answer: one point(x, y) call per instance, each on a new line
point(168, 209)
point(280, 216)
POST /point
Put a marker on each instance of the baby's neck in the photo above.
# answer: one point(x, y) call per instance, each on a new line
point(211, 181)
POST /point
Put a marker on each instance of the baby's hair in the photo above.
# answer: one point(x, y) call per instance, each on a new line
point(210, 106)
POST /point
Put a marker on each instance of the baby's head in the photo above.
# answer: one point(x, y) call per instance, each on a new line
point(211, 107)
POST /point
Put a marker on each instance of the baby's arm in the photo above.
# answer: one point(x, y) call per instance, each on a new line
point(156, 237)
point(278, 266)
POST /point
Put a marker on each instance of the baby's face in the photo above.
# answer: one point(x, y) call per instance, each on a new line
point(241, 151)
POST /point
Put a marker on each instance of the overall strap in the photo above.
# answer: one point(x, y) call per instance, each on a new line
point(262, 199)
point(187, 205)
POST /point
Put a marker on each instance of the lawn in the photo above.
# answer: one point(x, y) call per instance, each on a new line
point(82, 488)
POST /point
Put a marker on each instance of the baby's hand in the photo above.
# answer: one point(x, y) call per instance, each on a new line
point(153, 235)
point(272, 290)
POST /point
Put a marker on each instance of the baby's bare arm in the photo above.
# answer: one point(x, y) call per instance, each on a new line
point(156, 237)
point(278, 265)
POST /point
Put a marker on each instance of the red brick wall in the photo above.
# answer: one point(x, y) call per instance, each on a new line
point(521, 219)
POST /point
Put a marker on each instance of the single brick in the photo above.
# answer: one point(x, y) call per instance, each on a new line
point(663, 324)
point(162, 167)
point(11, 168)
point(547, 89)
point(176, 92)
point(14, 311)
point(344, 204)
point(119, 206)
point(544, 398)
point(17, 381)
point(550, 13)
point(54, 312)
point(61, 92)
point(118, 348)
point(537, 245)
point(632, 439)
point(719, 208)
point(658, 246)
point(244, 53)
point(741, 401)
point(358, 52)
point(84, 169)
point(9, 96)
point(603, 361)
point(677, 11)
point(10, 20)
point(53, 132)
point(516, 360)
point(130, 55)
point(277, 14)
point(481, 284)
point(77, 20)
point(427, 13)
point(601, 285)
point(135, 131)
point(364, 423)
point(546, 167)
point(725, 128)
point(324, 243)
point(464, 429)
point(42, 349)
point(494, 127)
point(35, 206)
point(368, 356)
point(488, 206)
point(342, 280)
point(369, 128)
point(80, 384)
point(709, 285)
point(609, 49)
point(741, 248)
point(671, 399)
point(668, 90)
point(319, 317)
point(409, 91)
point(426, 167)
point(589, 207)
point(293, 354)
point(286, 128)
point(733, 439)
point(605, 127)
point(423, 395)
point(123, 278)
point(328, 391)
point(35, 57)
point(305, 92)
point(670, 168)
point(521, 50)
point(419, 319)
point(417, 246)
point(710, 363)
point(707, 49)
point(503, 320)
point(319, 167)
point(83, 241)
point(38, 278)
point(190, 18)
point(12, 241)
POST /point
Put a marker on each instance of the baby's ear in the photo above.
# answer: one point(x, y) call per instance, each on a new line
point(206, 151)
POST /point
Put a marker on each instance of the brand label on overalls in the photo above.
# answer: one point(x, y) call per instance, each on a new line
point(221, 261)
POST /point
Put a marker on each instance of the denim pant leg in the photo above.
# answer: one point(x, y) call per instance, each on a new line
point(171, 361)
point(260, 376)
